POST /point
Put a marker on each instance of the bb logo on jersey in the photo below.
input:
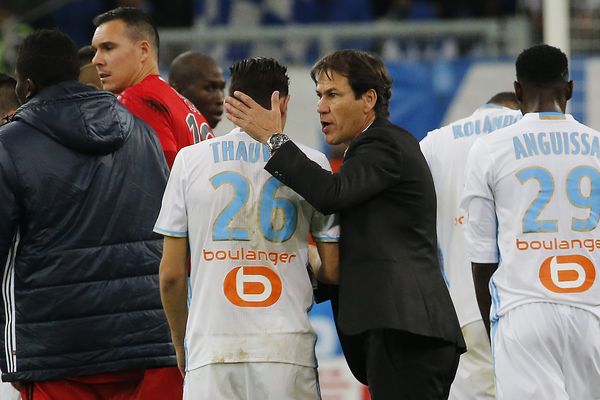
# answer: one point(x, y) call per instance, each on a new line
point(567, 274)
point(252, 286)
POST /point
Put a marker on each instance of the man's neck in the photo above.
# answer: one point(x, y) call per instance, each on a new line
point(544, 105)
point(145, 71)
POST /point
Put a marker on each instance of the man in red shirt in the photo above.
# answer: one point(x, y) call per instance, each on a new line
point(126, 43)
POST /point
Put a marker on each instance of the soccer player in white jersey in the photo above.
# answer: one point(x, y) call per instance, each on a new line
point(248, 335)
point(532, 195)
point(446, 150)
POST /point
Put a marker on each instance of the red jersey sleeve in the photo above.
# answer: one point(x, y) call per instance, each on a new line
point(175, 120)
point(157, 116)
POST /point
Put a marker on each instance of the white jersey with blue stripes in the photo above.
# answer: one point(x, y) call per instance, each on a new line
point(248, 234)
point(532, 195)
point(446, 150)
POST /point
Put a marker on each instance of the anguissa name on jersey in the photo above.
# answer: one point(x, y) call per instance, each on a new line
point(556, 143)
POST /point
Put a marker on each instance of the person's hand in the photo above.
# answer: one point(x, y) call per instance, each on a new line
point(180, 352)
point(252, 118)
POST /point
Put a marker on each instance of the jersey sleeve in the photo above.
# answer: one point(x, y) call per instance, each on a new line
point(172, 219)
point(478, 203)
point(324, 228)
point(425, 145)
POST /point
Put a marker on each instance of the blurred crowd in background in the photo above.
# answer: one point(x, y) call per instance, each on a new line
point(69, 15)
point(19, 17)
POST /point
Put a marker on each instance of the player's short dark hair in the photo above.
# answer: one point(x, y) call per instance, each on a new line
point(542, 65)
point(364, 71)
point(259, 77)
point(188, 67)
point(503, 98)
point(8, 97)
point(86, 54)
point(48, 57)
point(139, 24)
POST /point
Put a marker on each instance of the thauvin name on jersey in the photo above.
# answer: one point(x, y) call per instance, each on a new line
point(228, 150)
point(483, 125)
point(558, 143)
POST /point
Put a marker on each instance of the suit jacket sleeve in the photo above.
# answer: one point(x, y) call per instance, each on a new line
point(371, 166)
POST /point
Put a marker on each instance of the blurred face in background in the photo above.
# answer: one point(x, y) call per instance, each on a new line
point(24, 88)
point(206, 92)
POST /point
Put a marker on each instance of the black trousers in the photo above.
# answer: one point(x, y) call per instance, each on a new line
point(404, 366)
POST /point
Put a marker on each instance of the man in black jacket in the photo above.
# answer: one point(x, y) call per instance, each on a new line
point(395, 318)
point(81, 182)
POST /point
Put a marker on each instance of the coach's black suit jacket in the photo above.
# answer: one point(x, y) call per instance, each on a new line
point(389, 271)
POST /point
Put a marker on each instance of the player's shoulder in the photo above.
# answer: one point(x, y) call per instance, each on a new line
point(235, 141)
point(314, 154)
point(585, 128)
point(200, 149)
point(148, 93)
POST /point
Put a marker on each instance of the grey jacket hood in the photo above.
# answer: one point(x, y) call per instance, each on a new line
point(97, 125)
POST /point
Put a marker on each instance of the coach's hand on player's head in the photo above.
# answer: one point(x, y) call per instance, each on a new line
point(251, 117)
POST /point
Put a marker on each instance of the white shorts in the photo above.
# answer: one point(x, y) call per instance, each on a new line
point(7, 392)
point(547, 351)
point(475, 375)
point(252, 381)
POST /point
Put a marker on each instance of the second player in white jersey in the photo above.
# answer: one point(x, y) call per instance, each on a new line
point(543, 175)
point(446, 151)
point(250, 292)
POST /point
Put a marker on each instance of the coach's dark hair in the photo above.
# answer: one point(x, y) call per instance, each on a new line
point(8, 97)
point(48, 57)
point(139, 24)
point(542, 65)
point(363, 71)
point(258, 77)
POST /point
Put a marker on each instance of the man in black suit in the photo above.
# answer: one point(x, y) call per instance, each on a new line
point(396, 320)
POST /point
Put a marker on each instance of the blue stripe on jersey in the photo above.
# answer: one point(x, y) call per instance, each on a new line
point(189, 295)
point(326, 238)
point(552, 115)
point(189, 302)
point(495, 301)
point(493, 329)
point(490, 105)
point(187, 356)
point(166, 232)
point(442, 266)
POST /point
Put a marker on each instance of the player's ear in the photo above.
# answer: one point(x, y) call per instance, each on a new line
point(28, 90)
point(369, 100)
point(283, 103)
point(145, 49)
point(569, 90)
point(283, 108)
point(518, 91)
